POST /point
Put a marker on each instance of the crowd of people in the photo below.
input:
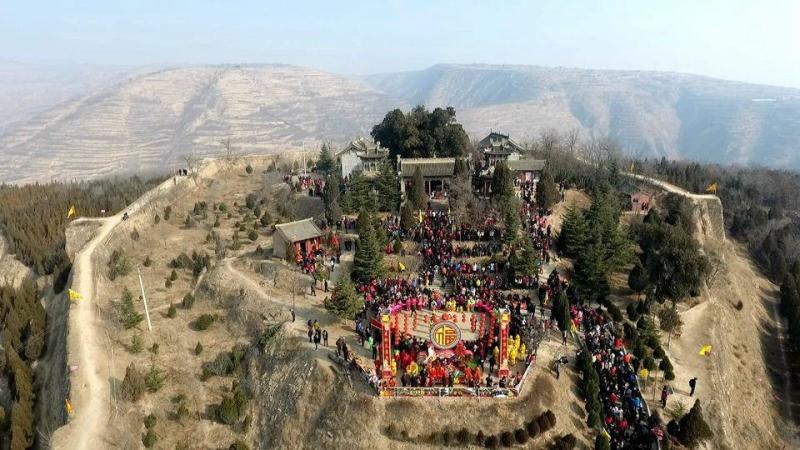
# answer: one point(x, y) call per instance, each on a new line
point(314, 186)
point(625, 415)
point(447, 281)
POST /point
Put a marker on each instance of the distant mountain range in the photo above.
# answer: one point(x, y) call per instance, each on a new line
point(91, 122)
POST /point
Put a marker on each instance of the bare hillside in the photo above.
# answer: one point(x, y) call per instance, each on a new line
point(649, 113)
point(95, 124)
point(151, 120)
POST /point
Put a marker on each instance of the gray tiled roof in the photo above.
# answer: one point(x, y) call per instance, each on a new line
point(430, 167)
point(526, 165)
point(300, 230)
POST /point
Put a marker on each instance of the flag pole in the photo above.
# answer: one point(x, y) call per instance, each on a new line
point(144, 299)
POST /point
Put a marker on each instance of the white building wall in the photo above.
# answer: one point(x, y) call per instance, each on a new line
point(350, 163)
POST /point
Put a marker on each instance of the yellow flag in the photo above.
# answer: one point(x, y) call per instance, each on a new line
point(644, 373)
point(68, 407)
point(71, 211)
point(705, 350)
point(402, 266)
point(605, 434)
point(573, 328)
point(74, 295)
point(712, 188)
point(420, 216)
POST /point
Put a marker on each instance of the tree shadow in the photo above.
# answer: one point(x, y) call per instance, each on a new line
point(783, 371)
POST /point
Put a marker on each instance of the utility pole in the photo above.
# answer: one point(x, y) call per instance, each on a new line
point(304, 158)
point(144, 299)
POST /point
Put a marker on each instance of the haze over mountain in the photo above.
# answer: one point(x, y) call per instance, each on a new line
point(144, 120)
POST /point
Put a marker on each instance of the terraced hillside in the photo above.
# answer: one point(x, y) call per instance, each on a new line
point(150, 121)
point(651, 114)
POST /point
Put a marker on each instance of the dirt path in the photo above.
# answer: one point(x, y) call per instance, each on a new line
point(86, 345)
point(671, 187)
point(748, 364)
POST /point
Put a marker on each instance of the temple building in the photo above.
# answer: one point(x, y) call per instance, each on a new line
point(436, 173)
point(498, 147)
point(362, 155)
point(303, 235)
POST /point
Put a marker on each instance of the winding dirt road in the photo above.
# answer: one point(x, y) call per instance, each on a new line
point(90, 384)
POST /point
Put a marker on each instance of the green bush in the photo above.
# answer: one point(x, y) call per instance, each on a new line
point(521, 436)
point(601, 443)
point(507, 439)
point(133, 385)
point(154, 348)
point(154, 379)
point(137, 344)
point(182, 412)
point(173, 276)
point(616, 314)
point(463, 437)
point(188, 300)
point(203, 322)
point(198, 348)
point(544, 423)
point(252, 235)
point(118, 265)
point(149, 439)
point(233, 407)
point(480, 438)
point(633, 313)
point(666, 366)
point(150, 420)
point(239, 444)
point(156, 219)
point(551, 418)
point(147, 261)
point(248, 169)
point(167, 283)
point(492, 441)
point(127, 312)
point(167, 212)
point(533, 429)
point(172, 311)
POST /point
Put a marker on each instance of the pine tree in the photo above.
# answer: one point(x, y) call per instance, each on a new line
point(511, 218)
point(693, 427)
point(547, 194)
point(637, 278)
point(560, 310)
point(502, 182)
point(333, 212)
point(408, 217)
point(127, 310)
point(591, 271)
point(388, 187)
point(419, 200)
point(574, 231)
point(368, 259)
point(325, 164)
point(345, 302)
point(524, 260)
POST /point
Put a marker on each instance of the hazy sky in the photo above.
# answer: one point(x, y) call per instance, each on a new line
point(757, 41)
